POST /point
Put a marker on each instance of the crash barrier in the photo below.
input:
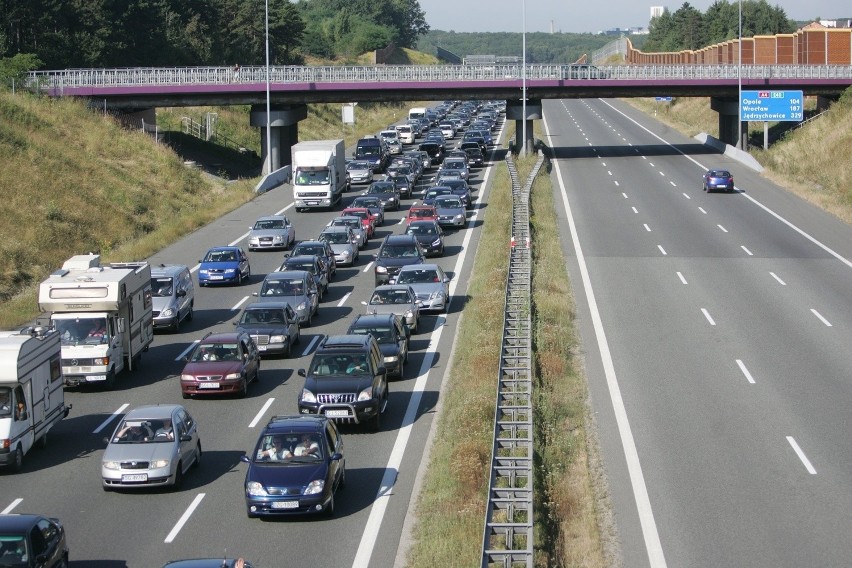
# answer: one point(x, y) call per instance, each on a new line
point(508, 535)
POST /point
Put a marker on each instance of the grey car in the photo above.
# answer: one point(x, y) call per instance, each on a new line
point(398, 299)
point(271, 232)
point(296, 287)
point(353, 223)
point(343, 242)
point(451, 211)
point(360, 172)
point(430, 284)
point(273, 326)
point(152, 446)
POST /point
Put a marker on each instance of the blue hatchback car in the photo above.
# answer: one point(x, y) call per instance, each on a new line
point(296, 467)
point(224, 265)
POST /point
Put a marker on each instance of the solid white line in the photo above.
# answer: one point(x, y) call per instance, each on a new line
point(775, 276)
point(745, 371)
point(368, 267)
point(819, 316)
point(662, 250)
point(261, 412)
point(185, 517)
point(343, 299)
point(280, 211)
point(748, 252)
point(647, 228)
point(241, 237)
point(724, 230)
point(637, 479)
point(707, 315)
point(240, 303)
point(801, 455)
point(187, 350)
point(310, 346)
point(11, 506)
point(682, 279)
point(106, 422)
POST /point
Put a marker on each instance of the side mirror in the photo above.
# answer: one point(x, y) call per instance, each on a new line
point(244, 458)
point(381, 371)
point(364, 303)
point(301, 373)
point(181, 293)
point(254, 293)
point(185, 438)
point(336, 456)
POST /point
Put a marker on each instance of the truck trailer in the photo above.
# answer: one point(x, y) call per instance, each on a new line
point(103, 314)
point(32, 399)
point(319, 174)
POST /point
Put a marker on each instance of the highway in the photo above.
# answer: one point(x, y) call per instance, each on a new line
point(207, 516)
point(715, 334)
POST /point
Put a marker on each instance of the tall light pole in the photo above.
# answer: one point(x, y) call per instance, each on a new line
point(524, 79)
point(268, 106)
point(740, 83)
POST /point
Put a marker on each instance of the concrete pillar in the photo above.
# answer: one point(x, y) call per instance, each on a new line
point(284, 131)
point(514, 111)
point(824, 102)
point(729, 115)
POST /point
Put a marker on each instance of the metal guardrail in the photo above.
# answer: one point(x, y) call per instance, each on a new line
point(55, 81)
point(508, 534)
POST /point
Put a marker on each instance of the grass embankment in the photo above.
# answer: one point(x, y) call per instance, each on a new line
point(74, 181)
point(814, 162)
point(451, 505)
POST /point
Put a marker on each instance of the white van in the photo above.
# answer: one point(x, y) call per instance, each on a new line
point(173, 295)
point(416, 113)
point(405, 133)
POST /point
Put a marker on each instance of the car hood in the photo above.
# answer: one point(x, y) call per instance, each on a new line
point(233, 265)
point(287, 474)
point(389, 349)
point(160, 303)
point(398, 261)
point(450, 211)
point(265, 329)
point(341, 247)
point(142, 451)
point(202, 368)
point(344, 384)
point(398, 309)
point(266, 232)
point(292, 300)
point(426, 287)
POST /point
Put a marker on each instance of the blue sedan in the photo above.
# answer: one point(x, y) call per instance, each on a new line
point(224, 265)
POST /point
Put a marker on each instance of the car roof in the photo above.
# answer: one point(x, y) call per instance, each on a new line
point(296, 422)
point(211, 249)
point(163, 270)
point(18, 521)
point(430, 266)
point(287, 275)
point(368, 320)
point(385, 287)
point(221, 337)
point(312, 242)
point(398, 239)
point(266, 305)
point(271, 218)
point(301, 258)
point(152, 411)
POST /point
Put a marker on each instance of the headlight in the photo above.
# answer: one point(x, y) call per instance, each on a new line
point(315, 486)
point(230, 270)
point(459, 217)
point(168, 312)
point(276, 339)
point(102, 361)
point(308, 396)
point(232, 376)
point(381, 269)
point(187, 378)
point(278, 238)
point(255, 489)
point(202, 271)
point(157, 464)
point(393, 359)
point(111, 465)
point(302, 306)
point(409, 314)
point(436, 242)
point(366, 394)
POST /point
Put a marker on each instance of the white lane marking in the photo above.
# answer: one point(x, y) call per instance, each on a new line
point(724, 230)
point(368, 267)
point(240, 303)
point(662, 250)
point(673, 184)
point(775, 276)
point(650, 533)
point(241, 237)
point(839, 257)
point(261, 412)
point(635, 210)
point(185, 517)
point(187, 350)
point(402, 221)
point(702, 210)
point(682, 279)
point(651, 164)
point(112, 417)
point(280, 211)
point(603, 164)
point(647, 228)
point(11, 506)
point(707, 315)
point(624, 194)
point(343, 299)
point(822, 319)
point(748, 252)
point(662, 174)
point(687, 196)
point(801, 455)
point(310, 346)
point(609, 172)
point(615, 182)
point(745, 371)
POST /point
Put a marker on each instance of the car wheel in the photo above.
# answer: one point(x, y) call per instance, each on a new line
point(197, 461)
point(249, 514)
point(239, 278)
point(329, 509)
point(401, 370)
point(191, 313)
point(178, 476)
point(109, 384)
point(42, 442)
point(176, 328)
point(244, 390)
point(342, 482)
point(18, 460)
point(298, 339)
point(376, 425)
point(184, 395)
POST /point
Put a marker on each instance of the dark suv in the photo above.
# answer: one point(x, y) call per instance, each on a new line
point(346, 381)
point(396, 251)
point(391, 334)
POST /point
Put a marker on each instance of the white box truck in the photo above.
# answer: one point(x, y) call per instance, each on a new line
point(319, 174)
point(103, 314)
point(32, 399)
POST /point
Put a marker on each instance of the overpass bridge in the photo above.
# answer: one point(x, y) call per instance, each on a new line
point(291, 88)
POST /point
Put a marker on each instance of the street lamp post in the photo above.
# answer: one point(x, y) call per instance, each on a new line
point(524, 79)
point(268, 106)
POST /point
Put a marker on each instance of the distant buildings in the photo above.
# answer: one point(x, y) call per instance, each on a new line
point(657, 11)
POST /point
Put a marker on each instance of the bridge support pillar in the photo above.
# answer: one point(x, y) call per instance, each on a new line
point(515, 111)
point(284, 131)
point(729, 115)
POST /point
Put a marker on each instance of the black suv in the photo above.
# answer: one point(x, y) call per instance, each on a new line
point(390, 333)
point(346, 381)
point(396, 251)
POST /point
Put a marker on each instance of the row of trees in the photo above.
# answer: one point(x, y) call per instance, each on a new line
point(688, 28)
point(138, 33)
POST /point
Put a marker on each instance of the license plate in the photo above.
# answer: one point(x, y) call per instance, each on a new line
point(128, 477)
point(208, 385)
point(261, 347)
point(215, 277)
point(337, 413)
point(96, 378)
point(285, 504)
point(313, 202)
point(721, 185)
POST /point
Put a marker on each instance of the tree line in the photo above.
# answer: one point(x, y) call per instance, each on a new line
point(689, 28)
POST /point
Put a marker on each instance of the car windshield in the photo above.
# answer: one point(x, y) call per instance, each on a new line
point(417, 213)
point(161, 287)
point(448, 203)
point(336, 237)
point(366, 202)
point(82, 331)
point(418, 276)
point(338, 364)
point(354, 223)
point(720, 173)
point(399, 251)
point(359, 214)
point(432, 194)
point(263, 316)
point(221, 256)
point(422, 230)
point(300, 265)
point(382, 334)
point(283, 288)
point(216, 352)
point(142, 431)
point(5, 401)
point(266, 224)
point(390, 297)
point(318, 250)
point(368, 151)
point(13, 550)
point(287, 448)
point(311, 177)
point(380, 188)
point(359, 165)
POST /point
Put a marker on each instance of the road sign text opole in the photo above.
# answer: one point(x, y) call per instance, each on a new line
point(772, 106)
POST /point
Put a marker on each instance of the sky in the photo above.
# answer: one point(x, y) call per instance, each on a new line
point(589, 16)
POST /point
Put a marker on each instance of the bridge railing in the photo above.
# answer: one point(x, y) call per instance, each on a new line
point(55, 81)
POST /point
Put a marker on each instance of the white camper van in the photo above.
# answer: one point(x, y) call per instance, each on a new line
point(104, 316)
point(31, 395)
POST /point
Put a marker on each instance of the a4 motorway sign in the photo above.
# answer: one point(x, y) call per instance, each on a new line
point(771, 106)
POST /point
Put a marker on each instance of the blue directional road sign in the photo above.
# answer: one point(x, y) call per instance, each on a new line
point(772, 106)
point(663, 99)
